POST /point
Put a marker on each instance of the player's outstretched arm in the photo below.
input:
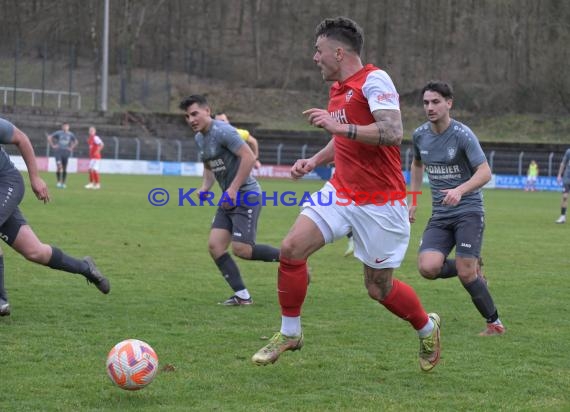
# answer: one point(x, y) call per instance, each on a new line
point(22, 142)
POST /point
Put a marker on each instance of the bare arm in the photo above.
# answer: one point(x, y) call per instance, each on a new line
point(304, 166)
point(22, 142)
point(417, 173)
point(208, 180)
point(247, 160)
point(387, 130)
point(561, 170)
point(479, 179)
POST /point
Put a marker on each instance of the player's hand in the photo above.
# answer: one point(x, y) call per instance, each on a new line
point(412, 213)
point(321, 118)
point(40, 189)
point(301, 168)
point(452, 197)
point(230, 198)
point(257, 165)
point(559, 179)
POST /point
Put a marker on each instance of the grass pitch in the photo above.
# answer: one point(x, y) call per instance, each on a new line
point(357, 356)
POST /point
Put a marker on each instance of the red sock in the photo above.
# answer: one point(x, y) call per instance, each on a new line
point(292, 286)
point(96, 177)
point(403, 302)
point(91, 176)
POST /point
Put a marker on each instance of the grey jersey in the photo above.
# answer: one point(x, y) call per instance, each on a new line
point(450, 159)
point(218, 149)
point(566, 172)
point(63, 140)
point(6, 135)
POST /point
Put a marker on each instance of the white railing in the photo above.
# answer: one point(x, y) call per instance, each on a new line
point(35, 92)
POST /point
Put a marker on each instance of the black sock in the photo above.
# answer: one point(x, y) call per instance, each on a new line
point(230, 272)
point(448, 270)
point(64, 176)
point(58, 175)
point(349, 234)
point(265, 252)
point(563, 211)
point(3, 293)
point(61, 261)
point(482, 299)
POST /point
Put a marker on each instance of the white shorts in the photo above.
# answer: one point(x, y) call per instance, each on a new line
point(94, 164)
point(381, 233)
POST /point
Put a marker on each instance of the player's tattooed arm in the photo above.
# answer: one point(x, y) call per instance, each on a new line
point(389, 126)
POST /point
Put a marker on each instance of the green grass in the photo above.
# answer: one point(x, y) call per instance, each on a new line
point(357, 356)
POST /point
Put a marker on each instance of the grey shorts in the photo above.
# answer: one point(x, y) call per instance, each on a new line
point(464, 232)
point(240, 221)
point(62, 156)
point(11, 194)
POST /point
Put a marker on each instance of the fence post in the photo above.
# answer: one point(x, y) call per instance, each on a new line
point(491, 159)
point(179, 156)
point(279, 149)
point(521, 155)
point(138, 152)
point(116, 147)
point(158, 149)
point(303, 151)
point(550, 156)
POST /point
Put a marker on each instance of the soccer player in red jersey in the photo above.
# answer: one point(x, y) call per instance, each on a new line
point(364, 119)
point(95, 146)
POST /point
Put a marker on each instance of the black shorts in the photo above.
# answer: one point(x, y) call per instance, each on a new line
point(62, 156)
point(566, 187)
point(11, 194)
point(241, 221)
point(464, 232)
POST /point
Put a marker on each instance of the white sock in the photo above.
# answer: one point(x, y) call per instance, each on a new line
point(426, 330)
point(291, 326)
point(243, 294)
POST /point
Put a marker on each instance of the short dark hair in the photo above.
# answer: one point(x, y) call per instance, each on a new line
point(344, 30)
point(440, 87)
point(193, 99)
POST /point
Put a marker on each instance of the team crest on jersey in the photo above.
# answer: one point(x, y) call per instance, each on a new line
point(451, 152)
point(349, 95)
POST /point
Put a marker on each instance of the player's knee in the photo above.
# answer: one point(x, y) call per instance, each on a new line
point(241, 250)
point(216, 250)
point(429, 271)
point(37, 254)
point(377, 292)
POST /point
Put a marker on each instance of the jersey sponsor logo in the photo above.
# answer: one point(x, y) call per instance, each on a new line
point(349, 95)
point(383, 97)
point(339, 116)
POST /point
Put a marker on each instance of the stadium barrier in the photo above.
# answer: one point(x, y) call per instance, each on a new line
point(145, 167)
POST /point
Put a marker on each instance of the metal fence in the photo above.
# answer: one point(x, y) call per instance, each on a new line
point(282, 153)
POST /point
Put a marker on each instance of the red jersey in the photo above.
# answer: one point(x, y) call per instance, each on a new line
point(362, 167)
point(94, 142)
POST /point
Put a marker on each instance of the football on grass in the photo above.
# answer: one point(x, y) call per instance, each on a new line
point(132, 364)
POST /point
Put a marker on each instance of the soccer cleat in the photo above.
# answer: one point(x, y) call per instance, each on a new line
point(89, 186)
point(561, 219)
point(430, 346)
point(278, 344)
point(96, 277)
point(493, 329)
point(59, 185)
point(237, 301)
point(96, 186)
point(4, 307)
point(349, 248)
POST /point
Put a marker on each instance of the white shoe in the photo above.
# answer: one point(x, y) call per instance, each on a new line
point(96, 186)
point(89, 186)
point(349, 248)
point(561, 219)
